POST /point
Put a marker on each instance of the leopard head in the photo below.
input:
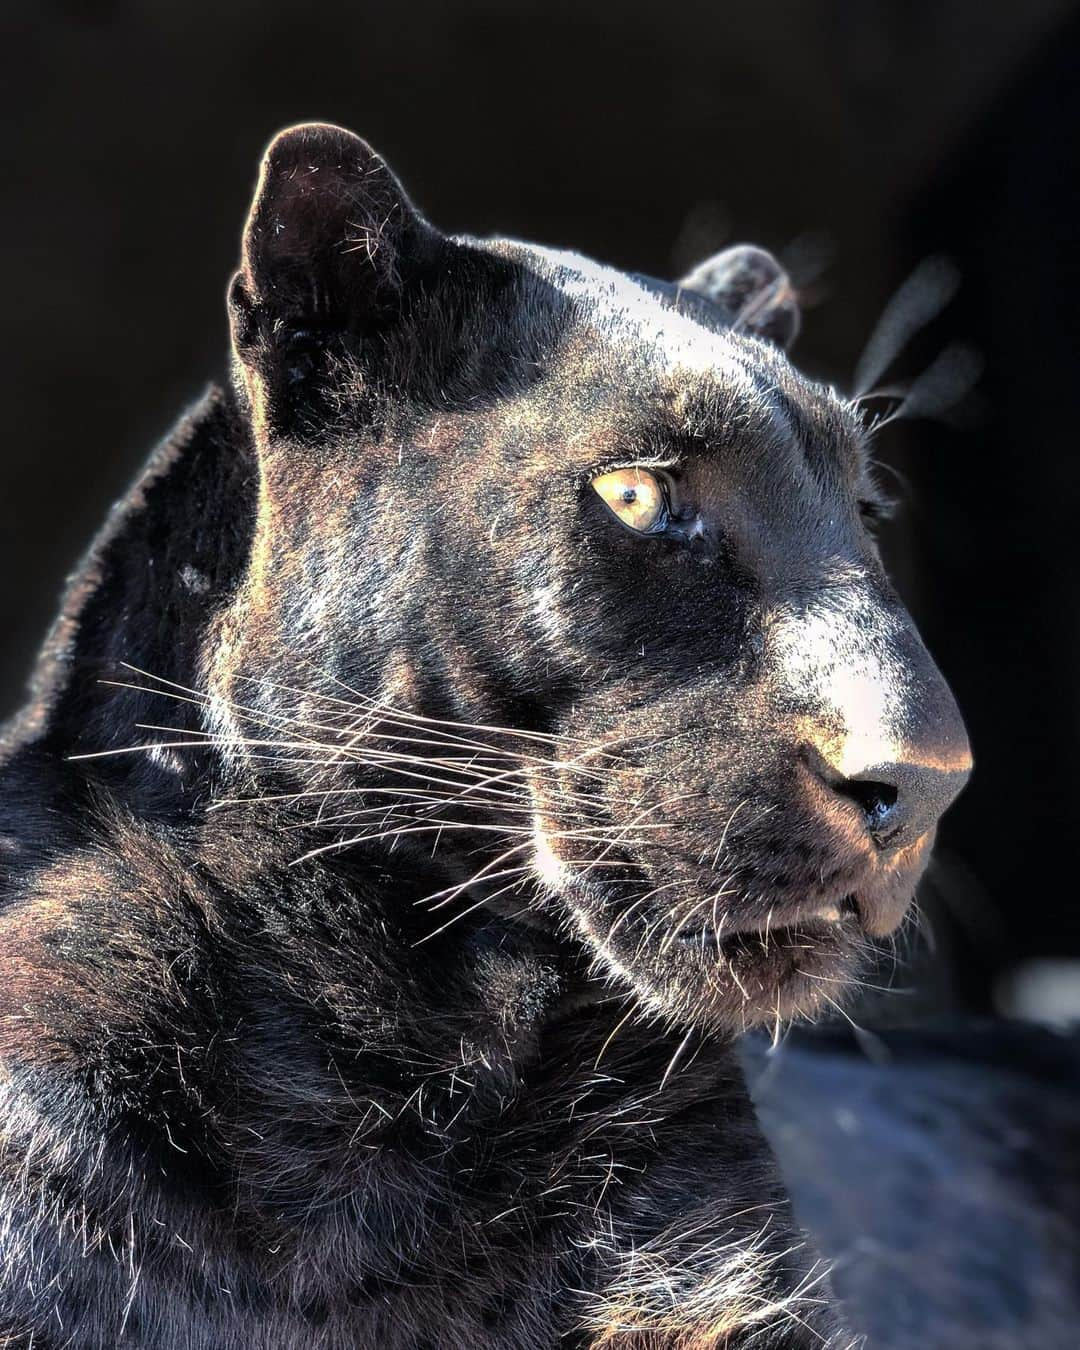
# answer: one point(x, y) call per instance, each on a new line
point(571, 574)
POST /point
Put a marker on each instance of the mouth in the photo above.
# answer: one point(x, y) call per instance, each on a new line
point(792, 923)
point(826, 913)
point(794, 964)
point(768, 954)
point(738, 970)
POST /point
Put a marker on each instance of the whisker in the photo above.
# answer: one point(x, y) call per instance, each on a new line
point(487, 899)
point(915, 303)
point(473, 827)
point(676, 1057)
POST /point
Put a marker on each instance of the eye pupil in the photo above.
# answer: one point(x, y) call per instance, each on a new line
point(636, 496)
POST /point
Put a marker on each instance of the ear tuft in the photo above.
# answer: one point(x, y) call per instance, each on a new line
point(752, 289)
point(329, 232)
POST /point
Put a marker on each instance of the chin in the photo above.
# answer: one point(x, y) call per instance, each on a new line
point(745, 979)
point(757, 977)
point(727, 976)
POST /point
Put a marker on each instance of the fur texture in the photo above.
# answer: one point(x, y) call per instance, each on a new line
point(396, 841)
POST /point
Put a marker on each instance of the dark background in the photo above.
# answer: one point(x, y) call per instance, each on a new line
point(854, 136)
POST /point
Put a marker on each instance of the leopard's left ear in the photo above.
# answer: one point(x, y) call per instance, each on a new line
point(330, 243)
point(752, 289)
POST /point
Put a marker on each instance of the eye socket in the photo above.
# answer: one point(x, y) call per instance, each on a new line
point(875, 510)
point(636, 496)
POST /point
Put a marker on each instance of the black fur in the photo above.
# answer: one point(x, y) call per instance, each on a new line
point(386, 996)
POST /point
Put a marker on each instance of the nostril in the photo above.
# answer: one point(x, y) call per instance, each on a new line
point(897, 800)
point(875, 799)
point(877, 802)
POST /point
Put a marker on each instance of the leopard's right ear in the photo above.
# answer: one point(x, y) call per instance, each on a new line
point(751, 290)
point(330, 243)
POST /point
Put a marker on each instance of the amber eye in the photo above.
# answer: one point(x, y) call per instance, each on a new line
point(636, 496)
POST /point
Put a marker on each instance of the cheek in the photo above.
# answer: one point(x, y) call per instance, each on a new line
point(663, 610)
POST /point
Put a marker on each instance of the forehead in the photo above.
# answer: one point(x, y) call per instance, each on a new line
point(644, 369)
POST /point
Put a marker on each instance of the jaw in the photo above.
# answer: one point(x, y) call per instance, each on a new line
point(799, 963)
point(742, 981)
point(754, 952)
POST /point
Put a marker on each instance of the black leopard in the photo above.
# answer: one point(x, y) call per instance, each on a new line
point(486, 705)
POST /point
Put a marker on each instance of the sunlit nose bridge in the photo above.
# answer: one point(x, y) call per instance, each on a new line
point(880, 730)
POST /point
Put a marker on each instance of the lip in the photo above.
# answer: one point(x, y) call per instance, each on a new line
point(831, 916)
point(831, 912)
point(826, 913)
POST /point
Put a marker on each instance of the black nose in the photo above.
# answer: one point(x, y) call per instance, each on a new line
point(900, 802)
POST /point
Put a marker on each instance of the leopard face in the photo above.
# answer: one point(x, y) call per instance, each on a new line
point(580, 567)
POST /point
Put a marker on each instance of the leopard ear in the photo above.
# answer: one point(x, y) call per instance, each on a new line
point(752, 289)
point(330, 240)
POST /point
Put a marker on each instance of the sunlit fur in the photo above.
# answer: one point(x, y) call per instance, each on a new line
point(395, 841)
